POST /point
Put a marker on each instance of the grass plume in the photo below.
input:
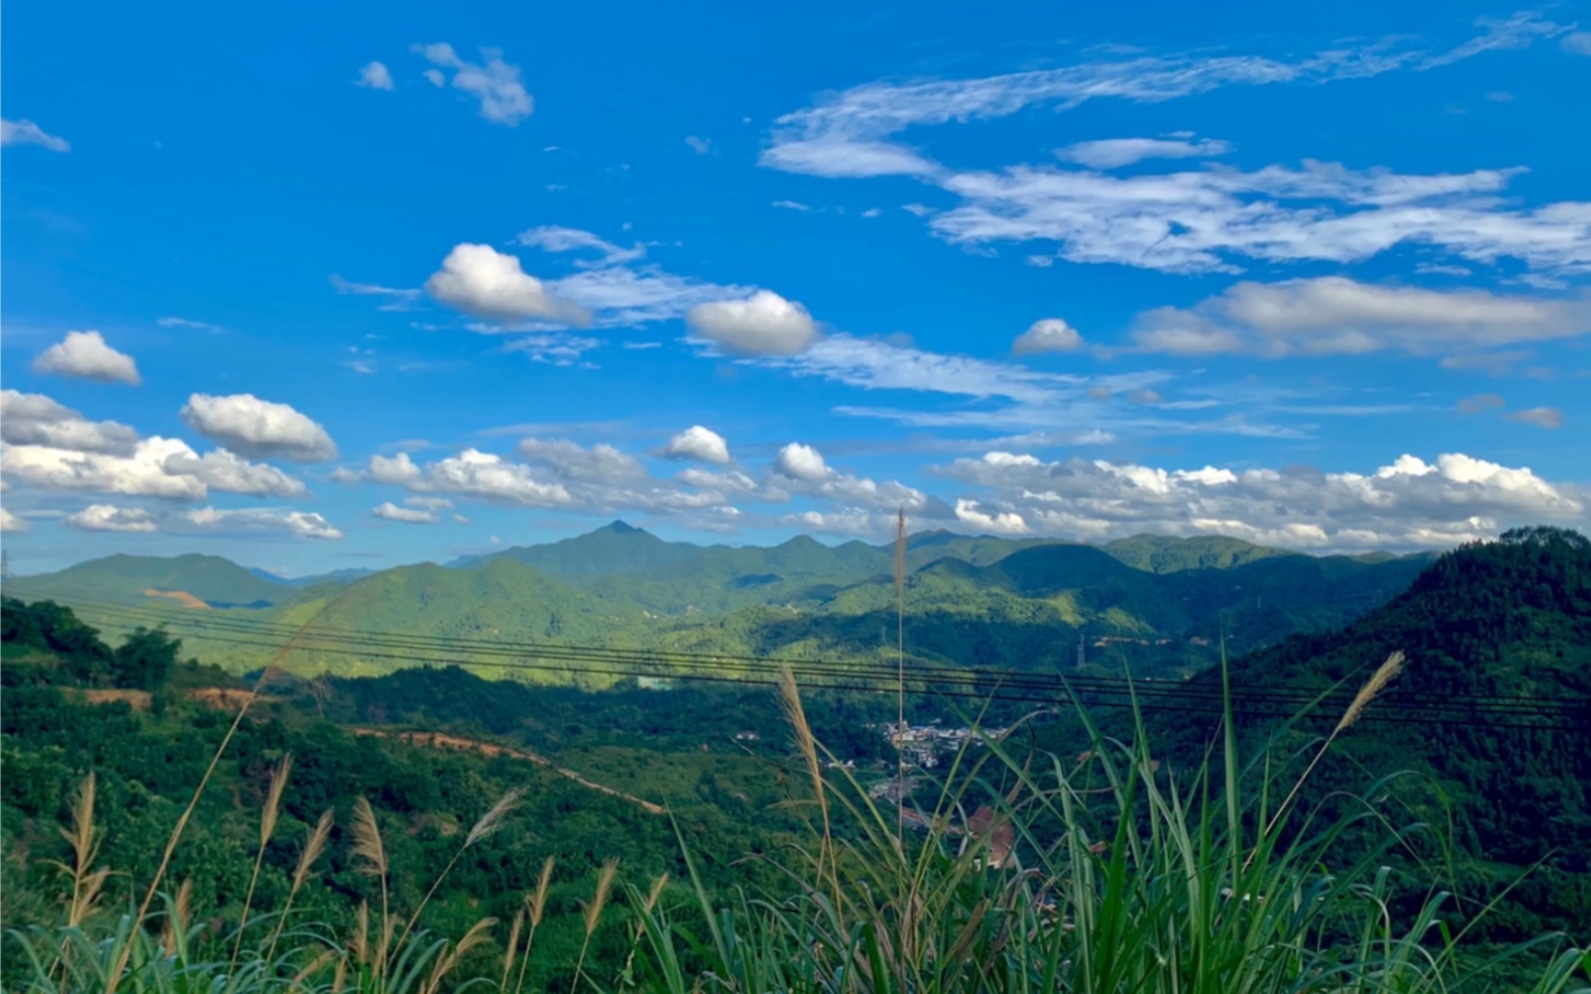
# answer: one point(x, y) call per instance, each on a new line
point(1384, 675)
point(592, 914)
point(268, 818)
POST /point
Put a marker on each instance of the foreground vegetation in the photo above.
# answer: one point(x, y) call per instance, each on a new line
point(1106, 873)
point(222, 836)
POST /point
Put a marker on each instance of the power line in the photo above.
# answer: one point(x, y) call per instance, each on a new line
point(315, 638)
point(862, 677)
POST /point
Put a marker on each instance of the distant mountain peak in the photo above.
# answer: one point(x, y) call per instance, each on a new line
point(623, 528)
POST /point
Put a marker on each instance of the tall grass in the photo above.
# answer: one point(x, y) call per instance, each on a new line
point(1124, 876)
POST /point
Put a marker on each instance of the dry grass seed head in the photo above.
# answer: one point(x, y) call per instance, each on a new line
point(1384, 674)
point(593, 909)
point(367, 839)
point(656, 891)
point(314, 846)
point(273, 798)
point(492, 820)
point(538, 900)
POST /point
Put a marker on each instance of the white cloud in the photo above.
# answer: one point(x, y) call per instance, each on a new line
point(1478, 403)
point(849, 133)
point(1211, 219)
point(1004, 523)
point(34, 419)
point(223, 470)
point(762, 324)
point(11, 523)
point(1408, 504)
point(260, 428)
point(792, 205)
point(256, 520)
point(621, 296)
point(1198, 220)
point(175, 322)
point(804, 471)
point(602, 463)
point(375, 76)
point(109, 518)
point(614, 288)
point(85, 354)
point(554, 348)
point(801, 462)
point(1541, 417)
point(429, 503)
point(157, 467)
point(701, 146)
point(1334, 315)
point(1047, 335)
point(408, 515)
point(486, 283)
point(472, 473)
point(1578, 42)
point(1112, 153)
point(698, 443)
point(878, 365)
point(552, 238)
point(495, 83)
point(25, 132)
point(397, 298)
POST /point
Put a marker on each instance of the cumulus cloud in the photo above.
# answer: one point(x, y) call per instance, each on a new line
point(408, 515)
point(11, 523)
point(803, 470)
point(472, 473)
point(156, 467)
point(224, 470)
point(109, 518)
point(375, 76)
point(1407, 504)
point(1541, 417)
point(698, 443)
point(25, 132)
point(1112, 153)
point(762, 324)
point(486, 283)
point(602, 463)
point(1334, 315)
point(556, 474)
point(85, 354)
point(255, 520)
point(1004, 523)
point(1047, 335)
point(260, 428)
point(495, 83)
point(801, 462)
point(34, 419)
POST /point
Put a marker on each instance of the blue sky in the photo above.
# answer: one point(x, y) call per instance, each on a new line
point(325, 288)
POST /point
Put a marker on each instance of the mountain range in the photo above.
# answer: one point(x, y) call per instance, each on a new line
point(1155, 604)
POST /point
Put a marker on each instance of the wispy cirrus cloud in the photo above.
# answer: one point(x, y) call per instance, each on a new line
point(1208, 219)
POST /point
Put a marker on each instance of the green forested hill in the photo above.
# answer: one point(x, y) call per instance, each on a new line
point(123, 579)
point(613, 548)
point(1165, 554)
point(1155, 605)
point(1508, 619)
